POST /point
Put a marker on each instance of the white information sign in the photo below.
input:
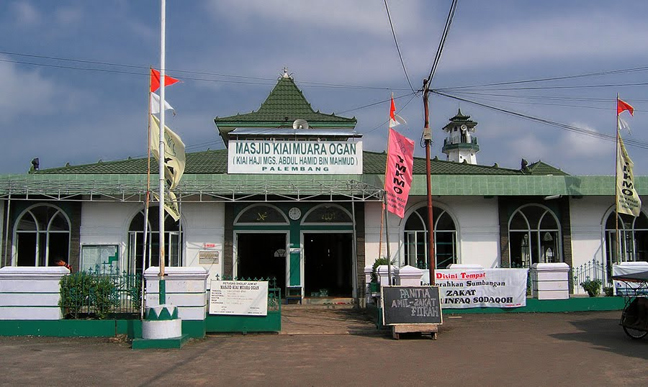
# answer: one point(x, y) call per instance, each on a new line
point(295, 157)
point(478, 288)
point(245, 298)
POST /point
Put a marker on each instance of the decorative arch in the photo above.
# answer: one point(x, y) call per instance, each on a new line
point(534, 236)
point(415, 237)
point(262, 213)
point(632, 239)
point(41, 236)
point(173, 241)
point(327, 213)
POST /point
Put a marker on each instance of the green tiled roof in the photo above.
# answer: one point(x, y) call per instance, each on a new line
point(206, 162)
point(540, 168)
point(285, 104)
point(374, 163)
point(215, 162)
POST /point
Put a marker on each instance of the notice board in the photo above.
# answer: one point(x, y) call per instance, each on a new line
point(411, 305)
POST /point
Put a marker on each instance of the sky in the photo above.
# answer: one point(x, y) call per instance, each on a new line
point(74, 74)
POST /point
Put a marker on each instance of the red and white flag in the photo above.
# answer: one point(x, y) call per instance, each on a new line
point(394, 119)
point(398, 176)
point(155, 80)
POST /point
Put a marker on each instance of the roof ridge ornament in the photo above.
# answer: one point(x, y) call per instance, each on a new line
point(285, 73)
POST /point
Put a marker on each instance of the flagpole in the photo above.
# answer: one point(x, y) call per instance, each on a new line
point(427, 136)
point(616, 193)
point(161, 148)
point(148, 191)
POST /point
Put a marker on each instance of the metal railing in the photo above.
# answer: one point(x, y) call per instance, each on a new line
point(101, 293)
point(592, 270)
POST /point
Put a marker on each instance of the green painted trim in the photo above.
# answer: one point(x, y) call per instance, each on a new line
point(195, 329)
point(175, 343)
point(131, 328)
point(166, 313)
point(244, 324)
point(162, 287)
point(58, 328)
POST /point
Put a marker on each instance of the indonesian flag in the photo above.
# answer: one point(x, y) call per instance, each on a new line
point(621, 106)
point(398, 176)
point(155, 80)
point(394, 119)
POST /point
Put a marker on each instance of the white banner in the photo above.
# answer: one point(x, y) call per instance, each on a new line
point(245, 298)
point(295, 157)
point(478, 288)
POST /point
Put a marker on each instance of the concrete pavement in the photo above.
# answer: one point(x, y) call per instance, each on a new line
point(557, 349)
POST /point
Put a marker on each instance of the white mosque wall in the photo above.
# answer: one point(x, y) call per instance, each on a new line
point(107, 224)
point(476, 220)
point(587, 221)
point(204, 225)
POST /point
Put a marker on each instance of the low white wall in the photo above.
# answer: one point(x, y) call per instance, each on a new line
point(30, 293)
point(186, 288)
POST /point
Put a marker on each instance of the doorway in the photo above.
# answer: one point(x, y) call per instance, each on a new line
point(328, 269)
point(262, 256)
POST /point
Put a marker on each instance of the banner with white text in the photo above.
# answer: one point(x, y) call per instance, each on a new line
point(482, 288)
point(295, 157)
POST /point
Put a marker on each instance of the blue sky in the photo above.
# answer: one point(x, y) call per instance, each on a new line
point(73, 73)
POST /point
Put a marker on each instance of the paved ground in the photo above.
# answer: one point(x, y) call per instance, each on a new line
point(341, 348)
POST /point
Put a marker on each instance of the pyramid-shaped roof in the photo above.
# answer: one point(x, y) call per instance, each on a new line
point(285, 104)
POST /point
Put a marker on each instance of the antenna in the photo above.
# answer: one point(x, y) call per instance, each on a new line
point(300, 124)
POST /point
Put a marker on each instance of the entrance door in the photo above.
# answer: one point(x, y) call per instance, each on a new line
point(262, 256)
point(328, 264)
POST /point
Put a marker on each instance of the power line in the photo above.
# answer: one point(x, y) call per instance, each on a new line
point(548, 79)
point(437, 57)
point(241, 79)
point(571, 128)
point(400, 56)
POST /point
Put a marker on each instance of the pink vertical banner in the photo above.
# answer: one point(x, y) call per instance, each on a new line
point(398, 176)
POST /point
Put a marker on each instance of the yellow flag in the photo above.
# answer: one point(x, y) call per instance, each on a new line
point(174, 152)
point(170, 204)
point(628, 201)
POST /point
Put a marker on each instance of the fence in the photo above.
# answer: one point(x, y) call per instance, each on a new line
point(101, 293)
point(589, 270)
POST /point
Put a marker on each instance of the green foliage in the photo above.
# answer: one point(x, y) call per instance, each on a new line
point(608, 291)
point(88, 293)
point(379, 262)
point(591, 286)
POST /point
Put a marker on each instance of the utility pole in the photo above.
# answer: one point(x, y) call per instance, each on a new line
point(427, 137)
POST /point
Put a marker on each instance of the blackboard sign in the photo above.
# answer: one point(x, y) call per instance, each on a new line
point(411, 305)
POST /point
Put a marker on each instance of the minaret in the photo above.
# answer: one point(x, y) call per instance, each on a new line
point(460, 144)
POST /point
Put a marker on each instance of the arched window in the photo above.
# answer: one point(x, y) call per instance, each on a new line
point(172, 241)
point(534, 236)
point(416, 238)
point(633, 239)
point(41, 236)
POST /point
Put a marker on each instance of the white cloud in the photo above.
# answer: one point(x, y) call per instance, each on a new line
point(348, 15)
point(24, 92)
point(68, 15)
point(26, 14)
point(576, 145)
point(543, 40)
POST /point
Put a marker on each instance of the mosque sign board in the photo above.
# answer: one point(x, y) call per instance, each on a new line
point(242, 298)
point(294, 157)
point(411, 305)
